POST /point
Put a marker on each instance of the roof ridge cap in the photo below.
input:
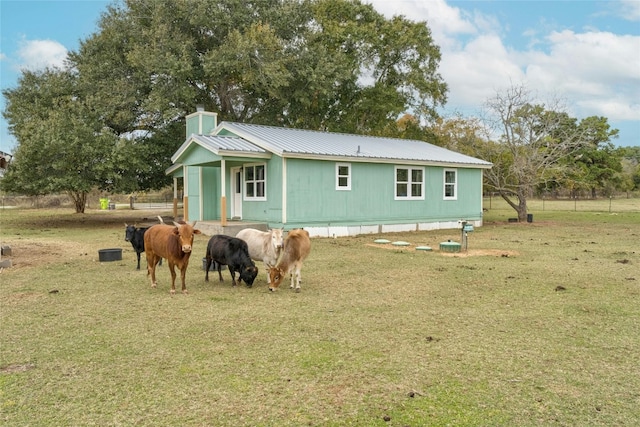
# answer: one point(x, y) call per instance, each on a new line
point(326, 131)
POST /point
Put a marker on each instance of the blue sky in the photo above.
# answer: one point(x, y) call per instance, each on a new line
point(585, 52)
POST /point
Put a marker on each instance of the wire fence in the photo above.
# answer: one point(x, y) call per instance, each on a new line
point(156, 201)
point(605, 204)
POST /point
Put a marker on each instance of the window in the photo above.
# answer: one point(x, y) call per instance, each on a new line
point(238, 184)
point(409, 183)
point(343, 176)
point(450, 184)
point(255, 182)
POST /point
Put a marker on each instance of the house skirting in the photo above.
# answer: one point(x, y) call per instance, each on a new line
point(354, 230)
point(209, 228)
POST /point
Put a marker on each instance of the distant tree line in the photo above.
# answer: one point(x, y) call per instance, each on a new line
point(111, 118)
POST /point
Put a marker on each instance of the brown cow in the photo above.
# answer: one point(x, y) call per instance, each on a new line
point(296, 249)
point(173, 243)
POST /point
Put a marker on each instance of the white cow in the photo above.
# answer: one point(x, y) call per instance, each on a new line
point(264, 246)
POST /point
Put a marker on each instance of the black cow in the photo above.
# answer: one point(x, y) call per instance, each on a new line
point(135, 235)
point(233, 253)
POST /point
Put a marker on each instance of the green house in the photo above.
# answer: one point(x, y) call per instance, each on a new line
point(331, 184)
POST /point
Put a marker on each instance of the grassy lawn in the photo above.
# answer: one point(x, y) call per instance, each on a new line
point(537, 324)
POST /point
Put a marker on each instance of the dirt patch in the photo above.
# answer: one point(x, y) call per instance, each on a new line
point(12, 369)
point(467, 253)
point(34, 253)
point(482, 252)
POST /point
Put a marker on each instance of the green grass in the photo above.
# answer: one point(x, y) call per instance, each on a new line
point(421, 338)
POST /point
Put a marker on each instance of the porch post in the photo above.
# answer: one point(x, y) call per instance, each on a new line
point(175, 197)
point(185, 196)
point(284, 190)
point(223, 193)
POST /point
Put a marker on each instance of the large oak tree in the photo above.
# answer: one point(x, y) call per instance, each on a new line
point(333, 65)
point(63, 146)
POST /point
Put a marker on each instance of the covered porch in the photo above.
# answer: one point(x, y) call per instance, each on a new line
point(210, 168)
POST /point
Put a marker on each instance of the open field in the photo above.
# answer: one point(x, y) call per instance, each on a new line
point(538, 324)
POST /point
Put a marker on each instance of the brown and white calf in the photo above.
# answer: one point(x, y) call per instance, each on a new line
point(297, 247)
point(173, 243)
point(263, 246)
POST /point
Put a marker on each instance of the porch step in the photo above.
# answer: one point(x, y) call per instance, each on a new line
point(209, 228)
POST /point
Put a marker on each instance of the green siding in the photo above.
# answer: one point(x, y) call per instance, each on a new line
point(313, 198)
point(211, 193)
point(208, 123)
point(196, 155)
point(193, 188)
point(469, 195)
point(269, 210)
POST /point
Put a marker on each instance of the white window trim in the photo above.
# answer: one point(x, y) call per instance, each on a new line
point(348, 176)
point(245, 181)
point(445, 183)
point(395, 183)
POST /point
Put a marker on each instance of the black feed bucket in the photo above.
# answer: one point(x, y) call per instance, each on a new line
point(114, 254)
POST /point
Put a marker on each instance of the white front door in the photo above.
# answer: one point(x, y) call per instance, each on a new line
point(236, 193)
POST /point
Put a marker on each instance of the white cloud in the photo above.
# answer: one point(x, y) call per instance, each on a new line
point(597, 72)
point(442, 19)
point(630, 10)
point(38, 54)
point(475, 73)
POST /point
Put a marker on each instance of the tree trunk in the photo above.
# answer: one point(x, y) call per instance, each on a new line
point(79, 200)
point(522, 210)
point(520, 205)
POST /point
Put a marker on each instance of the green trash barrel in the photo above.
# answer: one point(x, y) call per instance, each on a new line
point(104, 204)
point(450, 246)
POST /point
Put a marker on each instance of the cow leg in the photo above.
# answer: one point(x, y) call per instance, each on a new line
point(183, 273)
point(138, 254)
point(233, 274)
point(292, 275)
point(267, 266)
point(220, 272)
point(173, 277)
point(151, 268)
point(206, 274)
point(295, 275)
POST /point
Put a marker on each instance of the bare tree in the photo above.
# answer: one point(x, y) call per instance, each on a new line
point(533, 140)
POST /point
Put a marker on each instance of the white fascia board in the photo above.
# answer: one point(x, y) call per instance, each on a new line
point(252, 154)
point(183, 148)
point(384, 160)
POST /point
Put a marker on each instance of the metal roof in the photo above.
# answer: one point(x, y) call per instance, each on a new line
point(287, 142)
point(220, 145)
